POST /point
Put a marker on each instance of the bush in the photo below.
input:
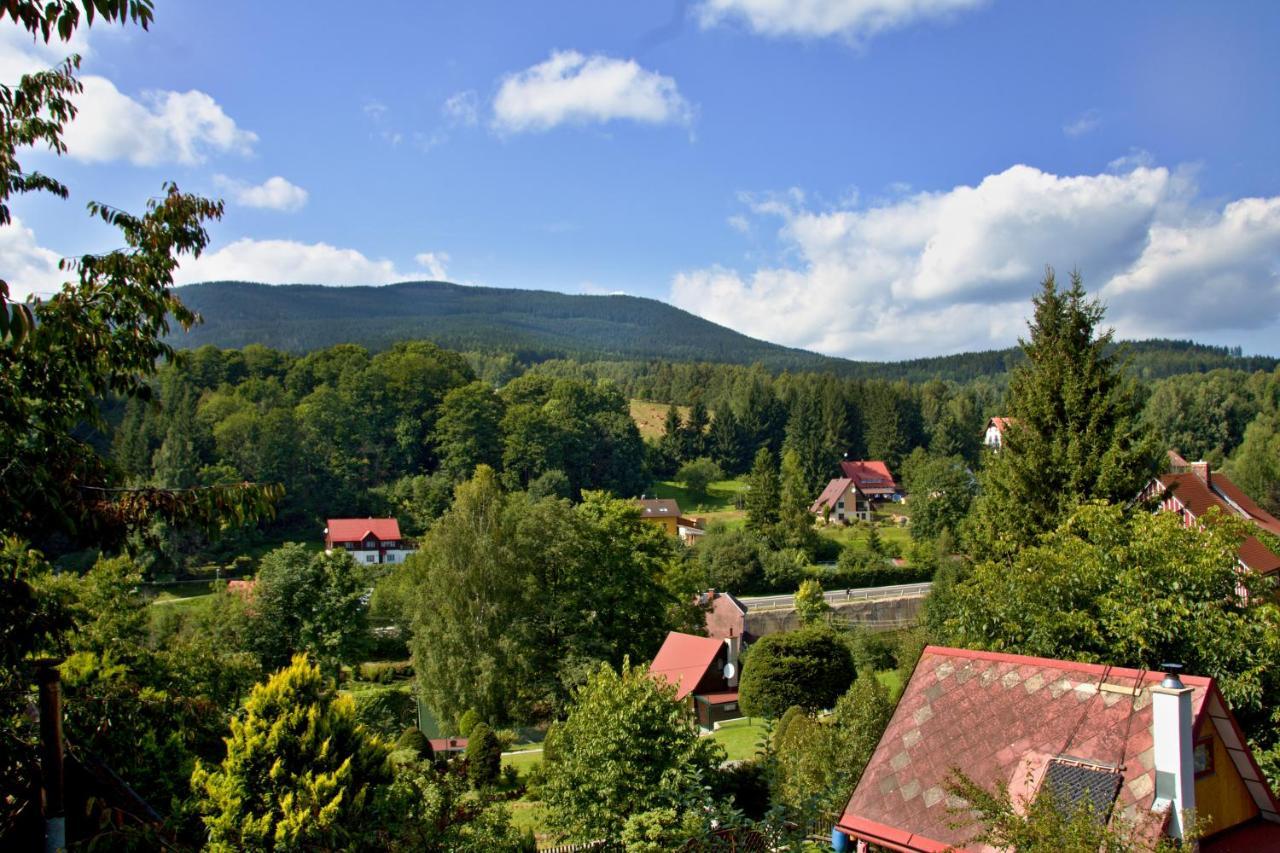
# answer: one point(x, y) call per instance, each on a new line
point(384, 672)
point(871, 651)
point(385, 710)
point(810, 668)
point(780, 728)
point(414, 739)
point(698, 474)
point(507, 738)
point(746, 786)
point(859, 568)
point(468, 721)
point(484, 757)
point(387, 645)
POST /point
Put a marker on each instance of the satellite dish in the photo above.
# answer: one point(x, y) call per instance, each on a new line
point(730, 670)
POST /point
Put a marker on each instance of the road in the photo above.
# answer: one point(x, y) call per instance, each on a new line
point(836, 596)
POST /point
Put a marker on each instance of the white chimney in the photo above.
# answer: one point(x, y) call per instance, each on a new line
point(1174, 762)
point(734, 648)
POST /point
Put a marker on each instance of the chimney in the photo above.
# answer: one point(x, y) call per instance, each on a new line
point(1201, 470)
point(1174, 765)
point(734, 647)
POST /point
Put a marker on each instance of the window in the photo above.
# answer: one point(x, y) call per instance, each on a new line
point(1202, 756)
point(369, 558)
point(1072, 783)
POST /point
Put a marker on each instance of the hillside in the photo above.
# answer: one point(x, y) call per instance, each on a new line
point(537, 325)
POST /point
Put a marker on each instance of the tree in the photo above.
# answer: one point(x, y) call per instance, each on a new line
point(807, 439)
point(724, 442)
point(794, 517)
point(673, 437)
point(299, 772)
point(467, 431)
point(484, 757)
point(811, 603)
point(305, 602)
point(941, 490)
point(626, 747)
point(1255, 467)
point(694, 433)
point(763, 492)
point(810, 668)
point(698, 474)
point(1075, 433)
point(1130, 589)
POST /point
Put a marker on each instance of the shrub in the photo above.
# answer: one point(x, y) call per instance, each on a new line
point(871, 651)
point(468, 721)
point(780, 728)
point(385, 710)
point(698, 474)
point(810, 668)
point(384, 672)
point(414, 739)
point(484, 757)
point(507, 738)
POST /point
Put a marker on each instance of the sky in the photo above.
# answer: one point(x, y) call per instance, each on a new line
point(875, 179)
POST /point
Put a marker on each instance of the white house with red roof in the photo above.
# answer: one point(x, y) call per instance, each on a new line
point(841, 502)
point(367, 540)
point(872, 477)
point(994, 436)
point(704, 671)
point(1145, 746)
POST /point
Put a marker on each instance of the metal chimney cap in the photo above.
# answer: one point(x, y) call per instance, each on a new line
point(1171, 672)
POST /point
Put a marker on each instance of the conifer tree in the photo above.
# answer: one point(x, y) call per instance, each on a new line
point(300, 773)
point(695, 431)
point(763, 493)
point(1075, 433)
point(806, 437)
point(724, 441)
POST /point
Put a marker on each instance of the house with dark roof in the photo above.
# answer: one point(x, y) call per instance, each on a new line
point(994, 436)
point(1145, 746)
point(725, 615)
point(1191, 489)
point(665, 513)
point(367, 540)
point(704, 671)
point(872, 477)
point(841, 502)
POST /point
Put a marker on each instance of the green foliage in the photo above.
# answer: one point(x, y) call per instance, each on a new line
point(300, 771)
point(384, 710)
point(764, 493)
point(1255, 467)
point(384, 672)
point(857, 569)
point(484, 757)
point(1075, 434)
point(1202, 416)
point(811, 604)
point(699, 473)
point(468, 431)
point(810, 668)
point(941, 490)
point(308, 602)
point(784, 722)
point(520, 598)
point(468, 721)
point(626, 747)
point(1131, 589)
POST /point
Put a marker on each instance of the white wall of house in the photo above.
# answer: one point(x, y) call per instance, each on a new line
point(396, 556)
point(993, 437)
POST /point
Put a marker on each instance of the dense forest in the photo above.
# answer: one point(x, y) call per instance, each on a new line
point(517, 328)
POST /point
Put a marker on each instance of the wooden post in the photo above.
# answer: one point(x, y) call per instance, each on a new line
point(51, 771)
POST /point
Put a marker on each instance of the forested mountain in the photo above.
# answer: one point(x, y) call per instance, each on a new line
point(538, 325)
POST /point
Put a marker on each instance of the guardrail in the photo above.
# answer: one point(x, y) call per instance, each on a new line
point(765, 603)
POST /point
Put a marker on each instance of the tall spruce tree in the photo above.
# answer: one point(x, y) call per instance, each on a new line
point(694, 433)
point(763, 492)
point(1075, 434)
point(724, 442)
point(807, 440)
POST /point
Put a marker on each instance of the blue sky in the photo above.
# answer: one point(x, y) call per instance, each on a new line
point(869, 178)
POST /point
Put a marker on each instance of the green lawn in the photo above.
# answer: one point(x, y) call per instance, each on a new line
point(527, 814)
point(716, 502)
point(890, 680)
point(740, 738)
point(522, 761)
point(855, 536)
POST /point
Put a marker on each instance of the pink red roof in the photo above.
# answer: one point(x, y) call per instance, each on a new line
point(870, 475)
point(1000, 718)
point(448, 744)
point(1001, 424)
point(358, 529)
point(1199, 497)
point(684, 659)
point(831, 494)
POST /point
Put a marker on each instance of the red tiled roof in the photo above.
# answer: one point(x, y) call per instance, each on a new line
point(355, 529)
point(1000, 717)
point(831, 494)
point(658, 508)
point(1194, 494)
point(684, 659)
point(1001, 424)
point(871, 476)
point(448, 744)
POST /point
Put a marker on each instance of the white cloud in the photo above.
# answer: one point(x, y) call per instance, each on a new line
point(947, 271)
point(462, 109)
point(272, 194)
point(292, 262)
point(29, 268)
point(433, 263)
point(576, 89)
point(1086, 122)
point(851, 19)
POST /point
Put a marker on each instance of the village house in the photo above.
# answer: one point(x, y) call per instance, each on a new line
point(994, 436)
point(665, 513)
point(872, 477)
point(841, 502)
point(367, 540)
point(704, 671)
point(1145, 746)
point(1191, 489)
point(725, 616)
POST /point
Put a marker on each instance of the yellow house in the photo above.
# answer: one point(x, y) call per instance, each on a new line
point(663, 512)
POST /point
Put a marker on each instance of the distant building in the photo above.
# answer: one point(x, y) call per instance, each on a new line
point(367, 540)
point(704, 671)
point(872, 477)
point(994, 437)
point(841, 502)
point(726, 616)
point(1127, 743)
point(665, 513)
point(1193, 488)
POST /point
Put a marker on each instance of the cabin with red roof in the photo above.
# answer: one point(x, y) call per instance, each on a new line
point(994, 436)
point(1146, 746)
point(1191, 489)
point(841, 502)
point(872, 477)
point(704, 671)
point(367, 540)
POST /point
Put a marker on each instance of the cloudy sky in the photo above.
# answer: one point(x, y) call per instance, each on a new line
point(867, 178)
